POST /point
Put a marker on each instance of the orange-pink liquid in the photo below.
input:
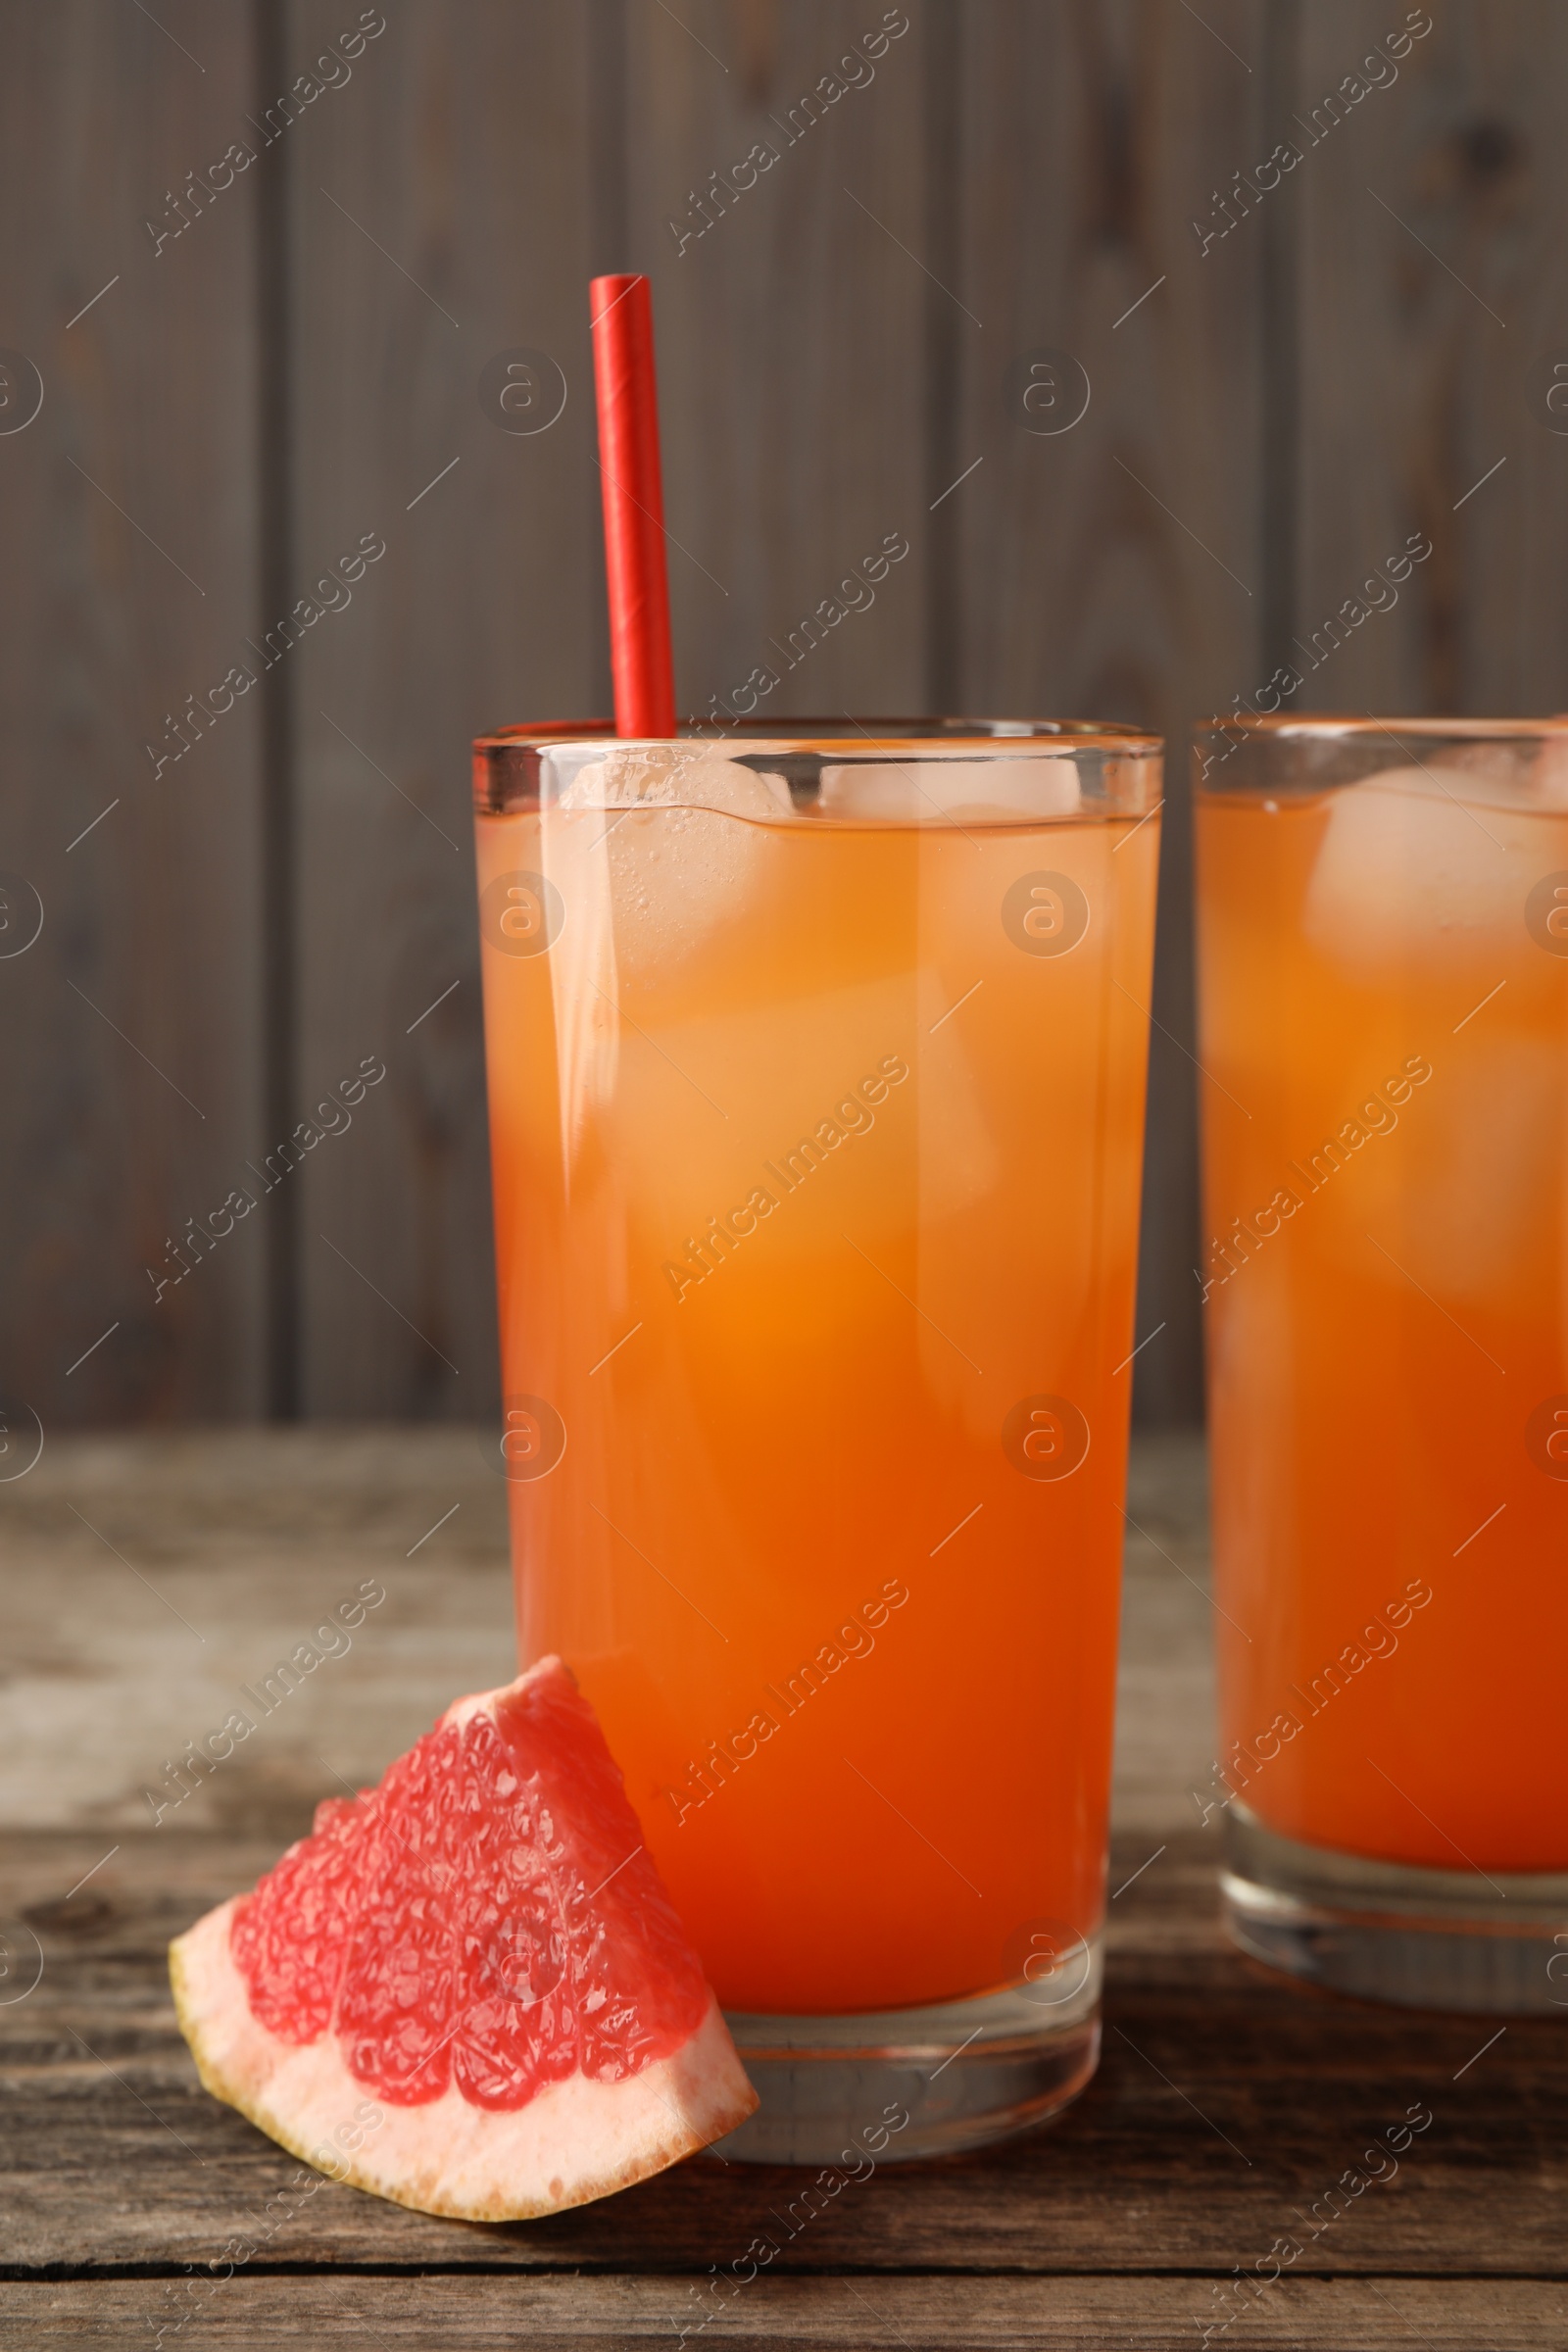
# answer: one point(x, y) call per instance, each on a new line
point(1385, 1043)
point(857, 1665)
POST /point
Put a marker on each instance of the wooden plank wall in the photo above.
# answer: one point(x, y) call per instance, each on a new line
point(1283, 385)
point(134, 1026)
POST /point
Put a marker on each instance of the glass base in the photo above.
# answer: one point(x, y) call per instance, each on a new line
point(1423, 1938)
point(959, 2073)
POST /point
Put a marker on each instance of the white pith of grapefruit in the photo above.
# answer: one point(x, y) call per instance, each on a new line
point(466, 1991)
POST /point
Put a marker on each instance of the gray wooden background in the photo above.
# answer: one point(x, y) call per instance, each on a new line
point(228, 410)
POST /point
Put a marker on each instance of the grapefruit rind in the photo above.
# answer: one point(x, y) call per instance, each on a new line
point(576, 2136)
point(576, 2141)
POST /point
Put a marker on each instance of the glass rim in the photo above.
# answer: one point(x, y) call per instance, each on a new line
point(512, 765)
point(1331, 727)
point(879, 731)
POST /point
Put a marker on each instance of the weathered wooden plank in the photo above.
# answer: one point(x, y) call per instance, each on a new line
point(133, 1024)
point(440, 215)
point(1431, 318)
point(1228, 2105)
point(791, 306)
point(193, 1568)
point(1111, 567)
point(1089, 2315)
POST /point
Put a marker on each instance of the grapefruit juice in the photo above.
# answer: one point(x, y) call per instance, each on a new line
point(816, 1149)
point(1385, 1042)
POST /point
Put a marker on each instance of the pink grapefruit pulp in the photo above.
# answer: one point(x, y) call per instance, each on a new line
point(466, 1989)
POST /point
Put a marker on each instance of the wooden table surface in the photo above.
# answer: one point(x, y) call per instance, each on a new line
point(145, 1579)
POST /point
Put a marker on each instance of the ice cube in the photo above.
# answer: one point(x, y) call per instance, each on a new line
point(652, 775)
point(1469, 1218)
point(637, 842)
point(1409, 870)
point(922, 791)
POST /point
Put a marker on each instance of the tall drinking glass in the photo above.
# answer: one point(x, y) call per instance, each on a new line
point(1383, 978)
point(817, 1085)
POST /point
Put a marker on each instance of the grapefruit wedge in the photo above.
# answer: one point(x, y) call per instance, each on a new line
point(466, 1989)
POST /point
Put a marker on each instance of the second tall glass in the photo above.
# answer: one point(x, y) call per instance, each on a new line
point(816, 1088)
point(1384, 967)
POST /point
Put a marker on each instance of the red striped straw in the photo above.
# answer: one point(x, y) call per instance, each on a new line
point(622, 313)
